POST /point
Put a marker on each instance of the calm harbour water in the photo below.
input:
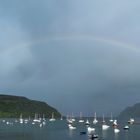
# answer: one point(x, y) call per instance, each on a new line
point(58, 130)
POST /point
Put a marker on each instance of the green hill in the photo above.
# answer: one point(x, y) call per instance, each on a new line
point(133, 111)
point(13, 106)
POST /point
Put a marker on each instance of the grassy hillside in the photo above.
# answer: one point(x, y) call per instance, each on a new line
point(13, 106)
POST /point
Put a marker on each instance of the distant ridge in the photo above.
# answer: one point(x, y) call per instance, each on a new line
point(133, 111)
point(13, 106)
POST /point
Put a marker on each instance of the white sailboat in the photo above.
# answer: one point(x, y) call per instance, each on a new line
point(52, 119)
point(116, 130)
point(36, 118)
point(71, 127)
point(81, 120)
point(61, 118)
point(111, 118)
point(87, 122)
point(69, 119)
point(104, 126)
point(90, 130)
point(26, 120)
point(131, 121)
point(21, 119)
point(72, 118)
point(95, 119)
point(126, 127)
point(43, 118)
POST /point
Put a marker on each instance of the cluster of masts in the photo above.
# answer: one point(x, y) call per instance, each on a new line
point(91, 126)
point(37, 120)
point(91, 130)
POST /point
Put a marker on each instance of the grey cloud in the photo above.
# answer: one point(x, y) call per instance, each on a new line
point(86, 74)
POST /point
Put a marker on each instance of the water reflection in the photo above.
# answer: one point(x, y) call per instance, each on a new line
point(71, 132)
point(104, 133)
point(116, 136)
point(126, 136)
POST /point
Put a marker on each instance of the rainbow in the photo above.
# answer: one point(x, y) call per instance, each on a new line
point(78, 37)
point(84, 37)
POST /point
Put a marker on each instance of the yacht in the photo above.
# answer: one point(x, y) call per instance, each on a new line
point(104, 126)
point(72, 118)
point(61, 118)
point(131, 121)
point(115, 123)
point(36, 118)
point(81, 120)
point(116, 130)
point(95, 119)
point(111, 118)
point(71, 127)
point(90, 130)
point(87, 122)
point(126, 127)
point(52, 119)
point(21, 119)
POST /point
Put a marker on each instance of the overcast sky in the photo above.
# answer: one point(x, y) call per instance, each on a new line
point(76, 55)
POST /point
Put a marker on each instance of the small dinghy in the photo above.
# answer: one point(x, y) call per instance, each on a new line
point(94, 136)
point(126, 127)
point(82, 133)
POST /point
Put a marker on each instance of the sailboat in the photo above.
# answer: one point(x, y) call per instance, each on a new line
point(21, 119)
point(36, 118)
point(69, 119)
point(81, 120)
point(95, 119)
point(93, 136)
point(104, 126)
point(90, 130)
point(115, 123)
point(116, 130)
point(87, 122)
point(52, 119)
point(61, 118)
point(111, 118)
point(71, 127)
point(43, 118)
point(72, 118)
point(126, 127)
point(131, 121)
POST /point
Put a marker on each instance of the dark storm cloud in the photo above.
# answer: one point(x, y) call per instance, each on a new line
point(88, 75)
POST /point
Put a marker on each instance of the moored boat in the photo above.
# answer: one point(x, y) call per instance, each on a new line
point(87, 122)
point(81, 119)
point(52, 118)
point(126, 127)
point(104, 126)
point(95, 119)
point(131, 121)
